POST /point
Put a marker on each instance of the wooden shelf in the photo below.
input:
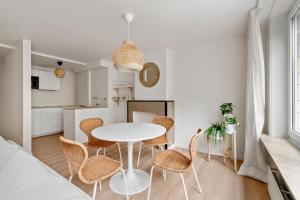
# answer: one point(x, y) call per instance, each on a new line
point(118, 86)
point(122, 85)
point(228, 152)
point(121, 99)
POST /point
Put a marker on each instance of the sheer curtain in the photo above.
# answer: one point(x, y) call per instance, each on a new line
point(254, 165)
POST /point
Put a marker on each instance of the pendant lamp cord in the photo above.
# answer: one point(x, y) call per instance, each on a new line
point(128, 31)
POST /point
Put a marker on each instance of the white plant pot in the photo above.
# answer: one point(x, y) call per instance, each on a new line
point(219, 138)
point(230, 128)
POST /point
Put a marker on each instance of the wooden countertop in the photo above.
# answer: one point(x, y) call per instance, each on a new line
point(83, 107)
point(68, 107)
point(53, 106)
point(287, 159)
point(151, 100)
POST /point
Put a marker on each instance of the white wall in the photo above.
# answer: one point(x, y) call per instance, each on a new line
point(121, 108)
point(64, 96)
point(278, 77)
point(83, 89)
point(117, 78)
point(200, 79)
point(15, 99)
point(159, 91)
point(99, 86)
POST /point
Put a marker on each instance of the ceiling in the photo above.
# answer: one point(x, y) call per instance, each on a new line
point(282, 7)
point(50, 62)
point(87, 30)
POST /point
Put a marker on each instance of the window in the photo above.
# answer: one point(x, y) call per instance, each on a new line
point(294, 18)
point(295, 74)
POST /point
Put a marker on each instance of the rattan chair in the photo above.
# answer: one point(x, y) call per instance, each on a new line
point(90, 170)
point(160, 141)
point(177, 162)
point(90, 124)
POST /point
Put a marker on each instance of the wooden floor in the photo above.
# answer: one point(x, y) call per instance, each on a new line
point(217, 180)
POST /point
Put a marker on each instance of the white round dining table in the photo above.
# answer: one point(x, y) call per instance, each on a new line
point(137, 179)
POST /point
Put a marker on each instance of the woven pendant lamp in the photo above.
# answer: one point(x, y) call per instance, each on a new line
point(59, 71)
point(128, 58)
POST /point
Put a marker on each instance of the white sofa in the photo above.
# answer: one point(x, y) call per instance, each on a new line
point(23, 177)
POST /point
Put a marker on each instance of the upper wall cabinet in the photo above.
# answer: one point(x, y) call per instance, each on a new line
point(48, 81)
point(118, 76)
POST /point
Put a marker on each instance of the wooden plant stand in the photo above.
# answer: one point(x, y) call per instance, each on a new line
point(229, 150)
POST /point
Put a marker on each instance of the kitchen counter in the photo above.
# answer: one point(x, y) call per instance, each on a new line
point(73, 116)
point(51, 119)
point(53, 106)
point(68, 107)
point(82, 107)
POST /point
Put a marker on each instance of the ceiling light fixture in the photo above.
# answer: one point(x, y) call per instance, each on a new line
point(59, 71)
point(128, 58)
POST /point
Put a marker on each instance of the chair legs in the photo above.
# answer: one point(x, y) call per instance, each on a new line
point(152, 150)
point(98, 150)
point(149, 190)
point(140, 149)
point(95, 190)
point(182, 179)
point(161, 148)
point(120, 152)
point(125, 181)
point(70, 178)
point(100, 186)
point(164, 175)
point(164, 171)
point(199, 187)
point(138, 161)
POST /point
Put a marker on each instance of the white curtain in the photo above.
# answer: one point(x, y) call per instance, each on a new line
point(254, 165)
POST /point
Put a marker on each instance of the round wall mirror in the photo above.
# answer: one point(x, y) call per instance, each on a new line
point(149, 75)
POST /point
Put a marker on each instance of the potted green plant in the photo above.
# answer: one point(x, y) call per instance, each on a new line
point(215, 132)
point(231, 123)
point(229, 119)
point(226, 108)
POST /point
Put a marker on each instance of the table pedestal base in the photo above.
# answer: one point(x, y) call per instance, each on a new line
point(137, 181)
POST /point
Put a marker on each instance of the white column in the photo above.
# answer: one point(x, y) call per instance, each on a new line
point(26, 84)
point(130, 169)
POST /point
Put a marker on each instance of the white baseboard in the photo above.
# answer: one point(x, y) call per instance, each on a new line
point(45, 134)
point(239, 156)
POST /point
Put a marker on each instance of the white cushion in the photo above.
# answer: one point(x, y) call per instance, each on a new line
point(56, 188)
point(22, 176)
point(7, 151)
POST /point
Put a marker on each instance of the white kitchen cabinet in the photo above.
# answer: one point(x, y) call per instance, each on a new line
point(46, 121)
point(48, 81)
point(52, 126)
point(52, 114)
point(36, 122)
